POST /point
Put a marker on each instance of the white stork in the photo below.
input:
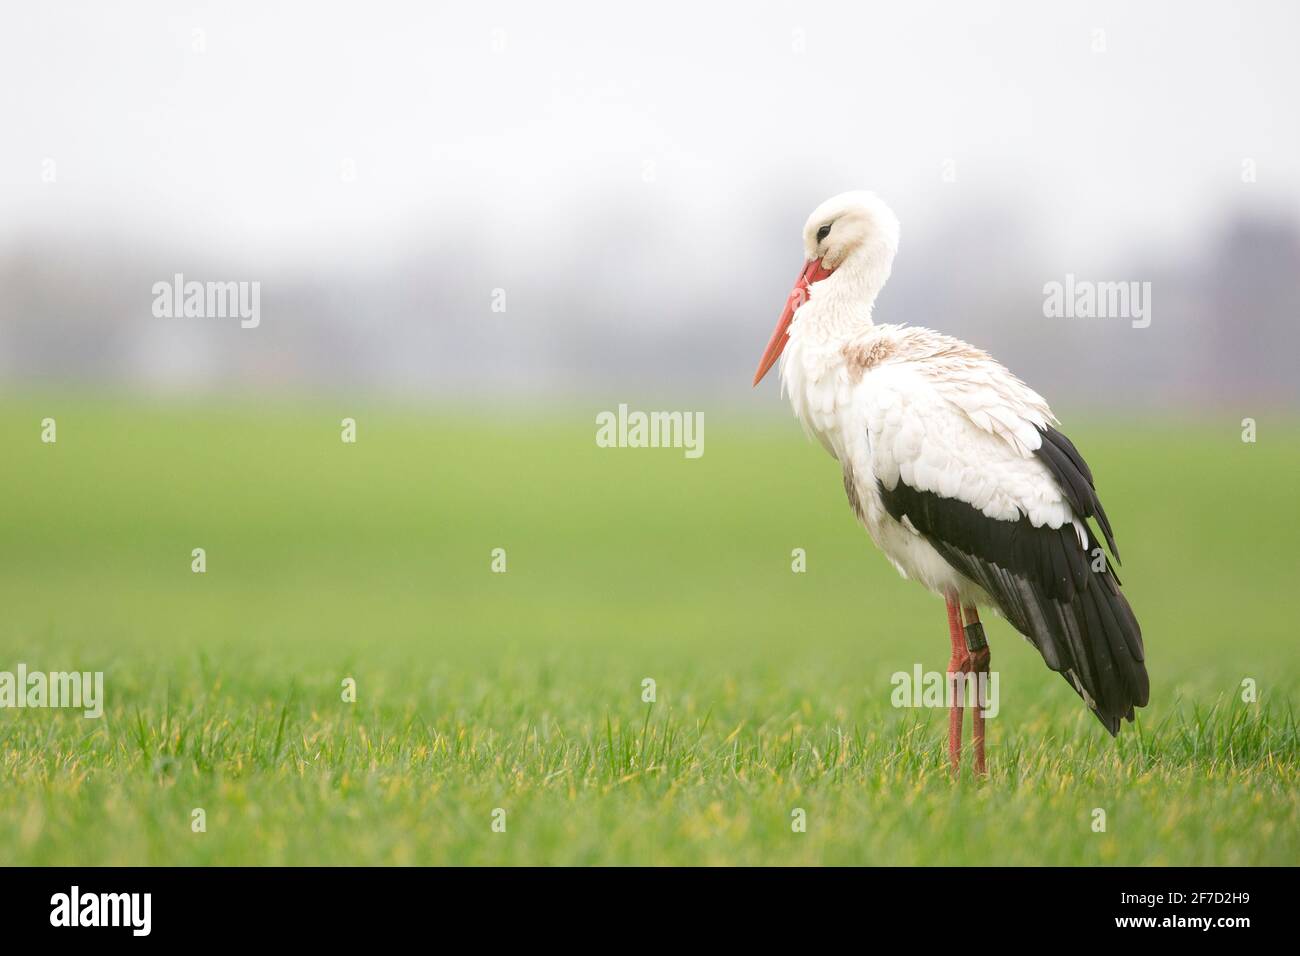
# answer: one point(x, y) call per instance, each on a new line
point(957, 471)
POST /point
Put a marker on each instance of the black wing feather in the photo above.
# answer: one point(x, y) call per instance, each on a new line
point(1043, 581)
point(1074, 477)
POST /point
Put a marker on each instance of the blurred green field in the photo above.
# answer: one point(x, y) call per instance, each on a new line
point(522, 690)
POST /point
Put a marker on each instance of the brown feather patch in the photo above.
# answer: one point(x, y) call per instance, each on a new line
point(851, 489)
point(861, 358)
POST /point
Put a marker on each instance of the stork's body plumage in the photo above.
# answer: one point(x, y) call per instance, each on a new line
point(955, 468)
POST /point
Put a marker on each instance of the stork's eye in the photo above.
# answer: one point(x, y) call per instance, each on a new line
point(823, 232)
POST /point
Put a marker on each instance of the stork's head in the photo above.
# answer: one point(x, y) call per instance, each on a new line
point(854, 235)
point(851, 229)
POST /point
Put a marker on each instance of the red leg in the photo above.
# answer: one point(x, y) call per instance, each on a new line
point(956, 665)
point(979, 666)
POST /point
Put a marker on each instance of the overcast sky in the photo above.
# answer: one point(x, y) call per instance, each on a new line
point(302, 130)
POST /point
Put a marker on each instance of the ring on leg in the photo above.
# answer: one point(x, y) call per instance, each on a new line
point(978, 646)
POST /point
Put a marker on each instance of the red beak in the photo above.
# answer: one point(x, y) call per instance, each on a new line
point(812, 272)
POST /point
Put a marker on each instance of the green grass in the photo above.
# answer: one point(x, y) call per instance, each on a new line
point(523, 690)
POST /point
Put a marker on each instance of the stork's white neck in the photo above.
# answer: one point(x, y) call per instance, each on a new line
point(839, 307)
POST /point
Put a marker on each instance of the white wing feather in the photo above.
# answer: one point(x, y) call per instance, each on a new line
point(946, 418)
